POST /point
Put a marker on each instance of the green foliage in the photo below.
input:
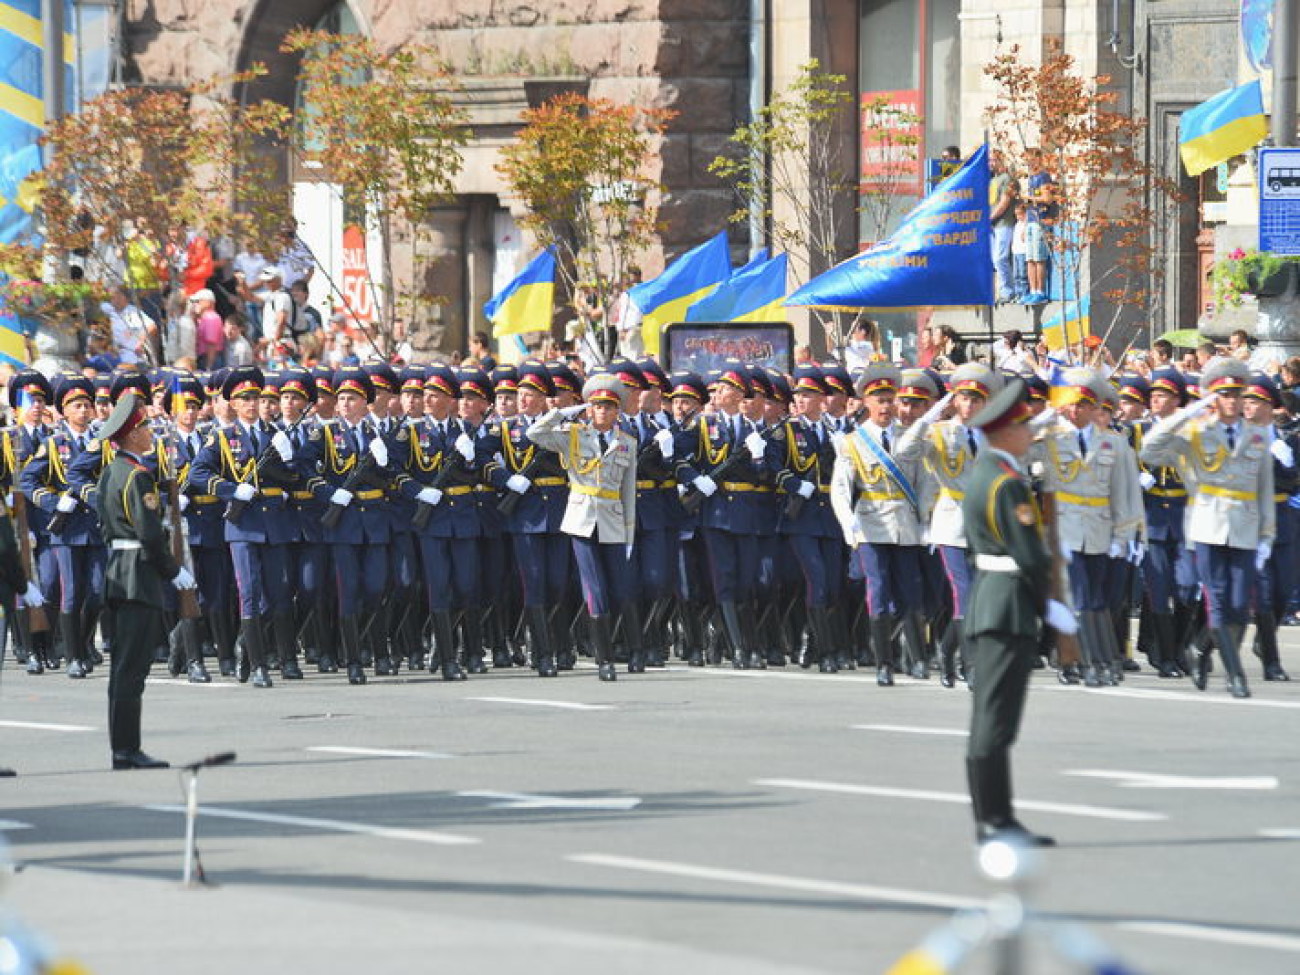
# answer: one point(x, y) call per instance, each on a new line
point(1251, 272)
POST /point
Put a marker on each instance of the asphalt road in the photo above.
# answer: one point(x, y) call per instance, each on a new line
point(684, 820)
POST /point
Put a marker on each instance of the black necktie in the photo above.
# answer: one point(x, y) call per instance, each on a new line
point(970, 442)
point(884, 440)
point(1083, 445)
point(1232, 438)
point(604, 443)
point(358, 439)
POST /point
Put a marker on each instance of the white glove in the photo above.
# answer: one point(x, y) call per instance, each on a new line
point(341, 497)
point(756, 446)
point(806, 489)
point(32, 596)
point(1262, 553)
point(569, 412)
point(465, 447)
point(67, 504)
point(9, 499)
point(1136, 552)
point(706, 485)
point(429, 495)
point(857, 537)
point(664, 438)
point(933, 414)
point(1147, 480)
point(245, 492)
point(283, 445)
point(518, 483)
point(1200, 406)
point(837, 438)
point(183, 502)
point(184, 580)
point(1066, 555)
point(379, 451)
point(1283, 452)
point(1060, 618)
point(627, 551)
point(1118, 550)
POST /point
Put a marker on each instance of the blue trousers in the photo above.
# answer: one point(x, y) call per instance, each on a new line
point(360, 576)
point(893, 577)
point(1227, 576)
point(212, 573)
point(819, 561)
point(450, 565)
point(606, 575)
point(691, 576)
point(81, 575)
point(733, 565)
point(1089, 576)
point(404, 567)
point(543, 561)
point(1168, 573)
point(956, 566)
point(652, 559)
point(261, 577)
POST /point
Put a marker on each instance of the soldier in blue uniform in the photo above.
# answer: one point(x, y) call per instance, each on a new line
point(687, 397)
point(404, 597)
point(348, 465)
point(73, 529)
point(245, 465)
point(439, 464)
point(30, 396)
point(542, 553)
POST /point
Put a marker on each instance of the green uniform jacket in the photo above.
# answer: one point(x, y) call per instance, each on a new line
point(1002, 519)
point(13, 580)
point(131, 510)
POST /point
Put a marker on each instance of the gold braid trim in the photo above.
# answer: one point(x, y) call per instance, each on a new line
point(337, 466)
point(517, 460)
point(1208, 464)
point(794, 459)
point(240, 472)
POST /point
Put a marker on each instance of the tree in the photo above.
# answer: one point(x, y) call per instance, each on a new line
point(581, 166)
point(383, 126)
point(788, 167)
point(1104, 192)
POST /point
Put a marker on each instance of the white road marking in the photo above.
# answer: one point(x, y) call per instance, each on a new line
point(45, 726)
point(333, 825)
point(186, 682)
point(904, 729)
point(1199, 697)
point(960, 798)
point(541, 703)
point(1281, 833)
point(1155, 780)
point(1228, 936)
point(375, 752)
point(523, 800)
point(795, 672)
point(919, 898)
point(7, 824)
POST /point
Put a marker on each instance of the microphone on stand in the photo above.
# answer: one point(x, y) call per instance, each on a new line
point(220, 758)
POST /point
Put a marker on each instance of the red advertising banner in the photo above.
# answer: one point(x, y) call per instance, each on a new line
point(360, 304)
point(891, 128)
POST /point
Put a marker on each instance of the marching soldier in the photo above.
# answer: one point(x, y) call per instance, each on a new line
point(140, 567)
point(873, 494)
point(1008, 597)
point(1231, 518)
point(600, 516)
point(14, 583)
point(949, 448)
point(1093, 473)
point(686, 398)
point(30, 396)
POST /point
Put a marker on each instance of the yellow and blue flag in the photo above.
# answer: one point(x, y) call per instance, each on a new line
point(684, 282)
point(754, 293)
point(13, 342)
point(939, 256)
point(1069, 326)
point(1229, 124)
point(526, 304)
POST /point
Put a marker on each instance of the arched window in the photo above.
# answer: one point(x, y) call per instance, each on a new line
point(339, 19)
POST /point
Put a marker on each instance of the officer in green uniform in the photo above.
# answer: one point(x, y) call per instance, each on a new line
point(140, 568)
point(13, 583)
point(1008, 597)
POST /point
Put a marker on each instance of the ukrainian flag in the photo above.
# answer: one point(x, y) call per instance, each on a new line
point(752, 294)
point(1069, 326)
point(13, 344)
point(688, 279)
point(1227, 125)
point(526, 304)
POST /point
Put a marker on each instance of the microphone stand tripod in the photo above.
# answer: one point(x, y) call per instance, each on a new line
point(192, 874)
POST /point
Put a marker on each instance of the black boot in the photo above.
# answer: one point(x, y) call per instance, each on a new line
point(70, 629)
point(350, 641)
point(444, 638)
point(633, 638)
point(471, 631)
point(1164, 645)
point(286, 640)
point(495, 632)
point(735, 635)
point(253, 661)
point(374, 641)
point(990, 779)
point(1202, 658)
point(124, 737)
point(691, 618)
point(948, 652)
point(1266, 634)
point(1229, 640)
point(192, 639)
point(882, 648)
point(539, 636)
point(913, 627)
point(823, 639)
point(750, 614)
point(223, 635)
point(841, 641)
point(602, 643)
